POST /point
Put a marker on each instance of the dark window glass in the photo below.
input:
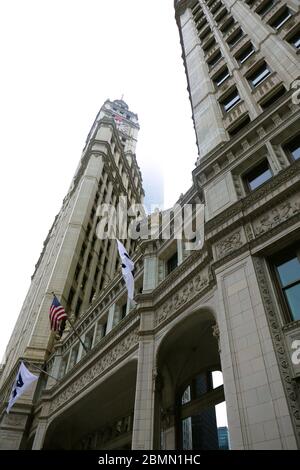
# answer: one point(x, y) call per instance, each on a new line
point(78, 306)
point(221, 77)
point(288, 270)
point(245, 54)
point(266, 104)
point(235, 38)
point(281, 19)
point(293, 147)
point(259, 75)
point(123, 310)
point(172, 263)
point(294, 40)
point(226, 27)
point(262, 10)
point(214, 59)
point(230, 101)
point(235, 130)
point(258, 175)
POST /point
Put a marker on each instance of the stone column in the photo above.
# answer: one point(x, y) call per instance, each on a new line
point(143, 424)
point(40, 435)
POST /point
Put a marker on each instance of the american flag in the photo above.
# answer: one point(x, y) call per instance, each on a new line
point(56, 314)
point(118, 119)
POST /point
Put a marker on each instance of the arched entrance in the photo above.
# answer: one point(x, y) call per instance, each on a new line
point(190, 403)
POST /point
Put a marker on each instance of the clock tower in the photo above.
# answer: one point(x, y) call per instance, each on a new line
point(126, 122)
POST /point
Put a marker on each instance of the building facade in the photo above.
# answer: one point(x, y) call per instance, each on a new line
point(230, 309)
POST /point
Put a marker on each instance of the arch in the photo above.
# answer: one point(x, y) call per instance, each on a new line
point(102, 418)
point(187, 351)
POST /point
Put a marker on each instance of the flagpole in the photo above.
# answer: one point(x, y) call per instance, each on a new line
point(73, 328)
point(41, 370)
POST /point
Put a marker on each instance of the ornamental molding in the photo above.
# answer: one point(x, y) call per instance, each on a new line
point(289, 386)
point(230, 243)
point(276, 216)
point(184, 296)
point(100, 366)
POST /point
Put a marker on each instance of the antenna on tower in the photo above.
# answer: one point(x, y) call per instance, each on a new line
point(122, 96)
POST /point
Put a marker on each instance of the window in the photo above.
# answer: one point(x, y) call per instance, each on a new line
point(281, 19)
point(77, 271)
point(74, 356)
point(234, 38)
point(265, 7)
point(260, 74)
point(92, 295)
point(123, 311)
point(287, 267)
point(172, 263)
point(245, 54)
point(293, 148)
point(78, 306)
point(294, 40)
point(71, 296)
point(257, 175)
point(236, 129)
point(274, 97)
point(88, 339)
point(230, 101)
point(221, 77)
point(226, 27)
point(214, 59)
point(209, 44)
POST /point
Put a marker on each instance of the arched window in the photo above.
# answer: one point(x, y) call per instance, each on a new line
point(202, 413)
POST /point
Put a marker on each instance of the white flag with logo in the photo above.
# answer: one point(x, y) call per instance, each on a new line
point(127, 268)
point(22, 383)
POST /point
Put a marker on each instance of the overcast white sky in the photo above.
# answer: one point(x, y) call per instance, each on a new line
point(60, 60)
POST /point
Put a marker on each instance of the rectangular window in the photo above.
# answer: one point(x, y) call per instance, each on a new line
point(294, 40)
point(265, 7)
point(245, 54)
point(228, 24)
point(78, 307)
point(221, 77)
point(230, 101)
point(235, 37)
point(273, 98)
point(281, 19)
point(257, 175)
point(287, 267)
point(123, 311)
point(293, 148)
point(88, 339)
point(172, 263)
point(214, 59)
point(74, 356)
point(259, 75)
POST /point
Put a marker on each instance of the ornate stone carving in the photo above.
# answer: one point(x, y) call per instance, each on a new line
point(229, 244)
point(96, 370)
point(216, 334)
point(183, 295)
point(276, 216)
point(278, 342)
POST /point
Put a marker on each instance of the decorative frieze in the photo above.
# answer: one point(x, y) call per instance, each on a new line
point(276, 216)
point(109, 358)
point(229, 244)
point(185, 294)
